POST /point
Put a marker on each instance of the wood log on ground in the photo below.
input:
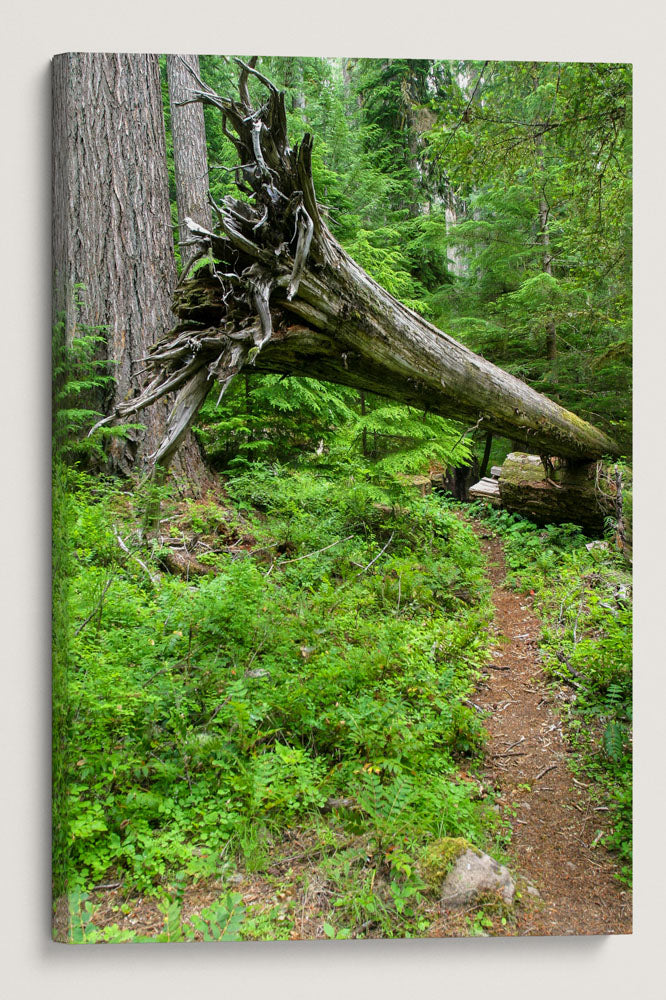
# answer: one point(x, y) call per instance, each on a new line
point(282, 296)
point(486, 489)
point(581, 494)
point(421, 483)
point(182, 563)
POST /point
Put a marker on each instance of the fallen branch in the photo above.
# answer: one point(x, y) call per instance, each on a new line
point(308, 555)
point(132, 555)
point(373, 561)
point(364, 570)
point(97, 607)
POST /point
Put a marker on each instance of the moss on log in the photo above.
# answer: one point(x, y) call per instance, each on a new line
point(580, 493)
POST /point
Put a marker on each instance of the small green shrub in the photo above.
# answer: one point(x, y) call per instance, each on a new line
point(207, 716)
point(221, 921)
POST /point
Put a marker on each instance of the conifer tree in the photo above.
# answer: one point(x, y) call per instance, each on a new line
point(541, 155)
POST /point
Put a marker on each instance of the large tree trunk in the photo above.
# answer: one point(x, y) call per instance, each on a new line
point(286, 298)
point(112, 240)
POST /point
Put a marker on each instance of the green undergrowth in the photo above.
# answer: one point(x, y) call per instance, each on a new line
point(221, 921)
point(584, 598)
point(315, 681)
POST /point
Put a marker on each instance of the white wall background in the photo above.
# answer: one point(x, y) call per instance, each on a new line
point(31, 965)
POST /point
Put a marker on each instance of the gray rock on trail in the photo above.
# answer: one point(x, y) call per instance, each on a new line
point(474, 875)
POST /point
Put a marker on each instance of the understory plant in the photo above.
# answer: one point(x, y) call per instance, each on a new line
point(315, 679)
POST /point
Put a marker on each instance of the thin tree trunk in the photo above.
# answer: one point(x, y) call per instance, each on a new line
point(486, 455)
point(293, 81)
point(547, 267)
point(248, 413)
point(189, 152)
point(364, 436)
point(287, 298)
point(547, 260)
point(346, 65)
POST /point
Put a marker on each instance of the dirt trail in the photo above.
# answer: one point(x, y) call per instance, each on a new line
point(555, 822)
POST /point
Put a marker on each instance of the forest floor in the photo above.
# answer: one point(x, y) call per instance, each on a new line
point(556, 826)
point(566, 878)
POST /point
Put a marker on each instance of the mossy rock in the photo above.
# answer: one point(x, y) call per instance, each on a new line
point(493, 904)
point(439, 858)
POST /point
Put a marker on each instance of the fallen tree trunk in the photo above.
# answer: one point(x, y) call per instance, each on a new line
point(584, 494)
point(276, 291)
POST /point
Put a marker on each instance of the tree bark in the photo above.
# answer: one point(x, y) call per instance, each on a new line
point(189, 152)
point(547, 260)
point(458, 480)
point(112, 241)
point(486, 454)
point(547, 266)
point(286, 298)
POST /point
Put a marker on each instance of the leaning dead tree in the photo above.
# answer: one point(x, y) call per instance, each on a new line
point(273, 289)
